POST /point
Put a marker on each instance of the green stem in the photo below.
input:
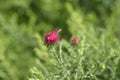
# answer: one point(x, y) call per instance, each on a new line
point(62, 62)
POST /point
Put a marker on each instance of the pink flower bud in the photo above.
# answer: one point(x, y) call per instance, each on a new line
point(75, 41)
point(52, 37)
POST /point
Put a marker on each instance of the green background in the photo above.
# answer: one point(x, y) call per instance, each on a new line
point(22, 20)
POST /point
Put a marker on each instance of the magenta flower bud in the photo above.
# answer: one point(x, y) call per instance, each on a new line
point(52, 37)
point(75, 41)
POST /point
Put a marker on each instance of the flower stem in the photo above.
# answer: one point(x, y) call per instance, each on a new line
point(62, 62)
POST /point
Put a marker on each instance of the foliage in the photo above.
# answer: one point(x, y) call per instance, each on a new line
point(23, 54)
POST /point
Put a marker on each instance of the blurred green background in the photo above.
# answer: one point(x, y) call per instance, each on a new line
point(21, 20)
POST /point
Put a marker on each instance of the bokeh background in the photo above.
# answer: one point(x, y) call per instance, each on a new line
point(22, 20)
